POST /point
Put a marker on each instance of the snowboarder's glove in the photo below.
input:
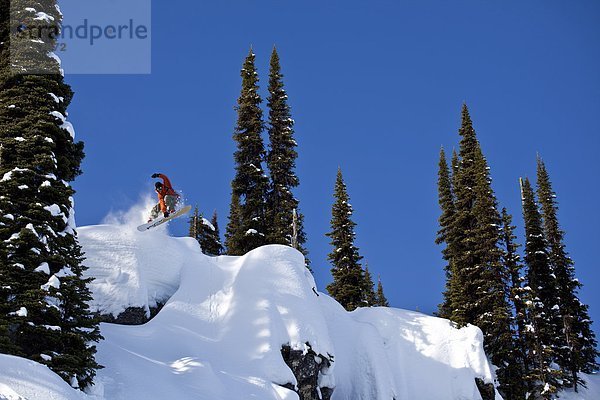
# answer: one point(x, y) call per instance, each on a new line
point(155, 175)
point(166, 215)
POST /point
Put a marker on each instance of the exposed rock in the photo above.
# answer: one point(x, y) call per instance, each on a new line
point(131, 316)
point(307, 366)
point(326, 393)
point(486, 390)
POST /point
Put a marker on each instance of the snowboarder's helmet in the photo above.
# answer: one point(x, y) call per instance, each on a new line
point(158, 186)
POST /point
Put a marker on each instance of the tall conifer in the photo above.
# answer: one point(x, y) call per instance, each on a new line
point(281, 161)
point(494, 313)
point(369, 289)
point(468, 270)
point(348, 286)
point(515, 388)
point(477, 291)
point(195, 229)
point(543, 331)
point(454, 163)
point(247, 228)
point(43, 296)
point(381, 300)
point(206, 233)
point(577, 350)
point(234, 235)
point(444, 235)
point(213, 243)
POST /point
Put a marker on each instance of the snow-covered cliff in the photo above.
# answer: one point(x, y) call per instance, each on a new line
point(220, 333)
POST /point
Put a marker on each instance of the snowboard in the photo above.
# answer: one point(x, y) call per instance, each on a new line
point(162, 220)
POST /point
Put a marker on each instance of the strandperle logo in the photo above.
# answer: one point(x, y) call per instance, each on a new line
point(85, 31)
point(94, 37)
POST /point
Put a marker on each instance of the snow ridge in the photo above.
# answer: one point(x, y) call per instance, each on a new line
point(220, 333)
point(226, 319)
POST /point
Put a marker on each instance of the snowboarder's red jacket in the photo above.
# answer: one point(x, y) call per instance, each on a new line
point(167, 190)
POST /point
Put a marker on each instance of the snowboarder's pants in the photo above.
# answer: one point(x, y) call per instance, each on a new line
point(170, 202)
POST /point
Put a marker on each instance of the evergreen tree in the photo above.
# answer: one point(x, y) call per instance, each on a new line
point(281, 161)
point(577, 349)
point(454, 163)
point(348, 276)
point(494, 312)
point(234, 236)
point(467, 274)
point(195, 226)
point(249, 186)
point(213, 244)
point(370, 297)
point(446, 201)
point(43, 296)
point(543, 380)
point(206, 233)
point(516, 368)
point(381, 300)
point(478, 288)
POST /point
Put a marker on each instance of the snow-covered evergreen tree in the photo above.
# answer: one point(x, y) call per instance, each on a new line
point(281, 161)
point(348, 286)
point(381, 300)
point(234, 236)
point(514, 387)
point(43, 297)
point(477, 287)
point(444, 235)
point(577, 348)
point(194, 230)
point(247, 227)
point(206, 233)
point(212, 244)
point(369, 290)
point(494, 312)
point(542, 333)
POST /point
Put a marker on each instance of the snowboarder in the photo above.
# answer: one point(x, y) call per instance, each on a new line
point(167, 197)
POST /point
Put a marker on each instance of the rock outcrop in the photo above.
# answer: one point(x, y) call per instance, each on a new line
point(131, 316)
point(307, 367)
point(486, 390)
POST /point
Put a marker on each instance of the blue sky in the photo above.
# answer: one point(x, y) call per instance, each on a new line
point(376, 88)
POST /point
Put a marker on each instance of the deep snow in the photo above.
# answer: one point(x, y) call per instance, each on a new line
point(220, 333)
